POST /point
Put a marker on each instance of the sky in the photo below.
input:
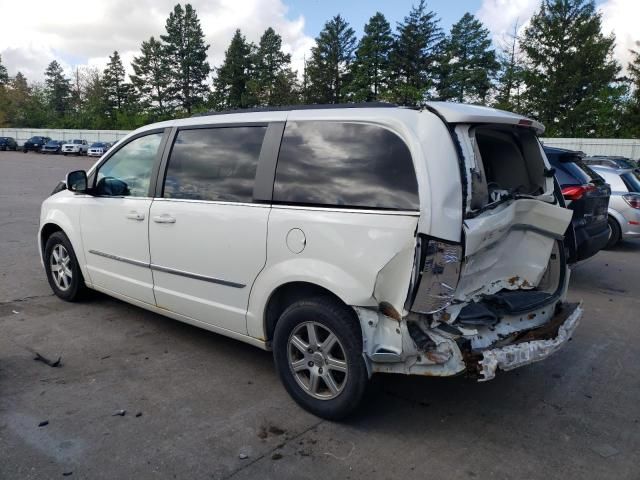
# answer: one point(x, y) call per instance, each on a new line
point(81, 33)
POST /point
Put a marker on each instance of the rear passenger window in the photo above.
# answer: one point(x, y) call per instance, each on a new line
point(345, 165)
point(214, 164)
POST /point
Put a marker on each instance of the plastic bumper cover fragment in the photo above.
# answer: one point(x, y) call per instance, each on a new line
point(520, 354)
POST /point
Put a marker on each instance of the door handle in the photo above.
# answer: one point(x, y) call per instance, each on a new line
point(135, 216)
point(164, 218)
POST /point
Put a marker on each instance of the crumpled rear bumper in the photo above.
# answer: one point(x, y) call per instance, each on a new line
point(537, 345)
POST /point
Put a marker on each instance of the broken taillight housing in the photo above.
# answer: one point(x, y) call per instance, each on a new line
point(575, 192)
point(439, 277)
point(632, 200)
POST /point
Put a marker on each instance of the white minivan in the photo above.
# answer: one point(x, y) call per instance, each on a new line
point(349, 240)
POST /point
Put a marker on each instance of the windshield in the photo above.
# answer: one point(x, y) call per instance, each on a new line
point(97, 145)
point(77, 141)
point(52, 142)
point(632, 181)
point(35, 139)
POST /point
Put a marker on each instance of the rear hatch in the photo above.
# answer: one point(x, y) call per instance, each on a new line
point(513, 225)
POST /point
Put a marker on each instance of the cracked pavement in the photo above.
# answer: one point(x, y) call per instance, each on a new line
point(205, 400)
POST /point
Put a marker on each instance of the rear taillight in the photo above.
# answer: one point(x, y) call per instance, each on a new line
point(576, 192)
point(632, 200)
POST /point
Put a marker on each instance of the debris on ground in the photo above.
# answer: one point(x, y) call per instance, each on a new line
point(46, 361)
point(605, 450)
point(119, 413)
point(276, 430)
point(43, 423)
point(243, 456)
point(105, 357)
point(139, 414)
point(276, 456)
point(262, 433)
point(15, 312)
point(67, 474)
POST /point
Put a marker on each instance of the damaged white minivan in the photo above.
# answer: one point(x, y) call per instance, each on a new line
point(349, 240)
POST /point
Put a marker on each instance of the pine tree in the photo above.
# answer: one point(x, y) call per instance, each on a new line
point(468, 63)
point(152, 77)
point(186, 53)
point(58, 89)
point(328, 70)
point(415, 56)
point(4, 75)
point(114, 83)
point(510, 79)
point(273, 82)
point(231, 82)
point(371, 64)
point(569, 69)
point(632, 115)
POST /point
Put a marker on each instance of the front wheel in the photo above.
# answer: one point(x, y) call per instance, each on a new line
point(317, 347)
point(61, 265)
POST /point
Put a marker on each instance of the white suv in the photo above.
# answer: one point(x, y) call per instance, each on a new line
point(77, 147)
point(347, 240)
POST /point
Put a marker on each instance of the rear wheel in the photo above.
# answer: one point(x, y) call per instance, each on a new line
point(61, 265)
point(317, 348)
point(615, 233)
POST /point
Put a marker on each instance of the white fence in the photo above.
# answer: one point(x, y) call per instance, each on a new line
point(591, 146)
point(23, 134)
point(629, 148)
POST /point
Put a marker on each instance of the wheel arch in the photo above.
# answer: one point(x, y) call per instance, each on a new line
point(287, 294)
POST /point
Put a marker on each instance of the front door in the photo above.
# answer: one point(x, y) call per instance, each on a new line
point(206, 235)
point(115, 221)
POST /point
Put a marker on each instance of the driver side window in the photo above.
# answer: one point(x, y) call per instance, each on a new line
point(128, 171)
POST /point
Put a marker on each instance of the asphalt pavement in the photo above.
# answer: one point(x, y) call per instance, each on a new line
point(138, 395)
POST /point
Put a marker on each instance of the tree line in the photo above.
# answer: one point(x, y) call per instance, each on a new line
point(560, 70)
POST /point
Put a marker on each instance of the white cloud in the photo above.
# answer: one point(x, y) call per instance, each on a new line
point(82, 32)
point(618, 16)
point(621, 18)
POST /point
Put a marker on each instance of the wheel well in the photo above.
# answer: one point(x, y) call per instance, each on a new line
point(48, 230)
point(287, 294)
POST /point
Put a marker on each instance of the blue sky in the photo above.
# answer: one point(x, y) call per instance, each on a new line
point(317, 12)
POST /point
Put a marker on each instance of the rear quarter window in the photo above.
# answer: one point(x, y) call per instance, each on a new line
point(341, 164)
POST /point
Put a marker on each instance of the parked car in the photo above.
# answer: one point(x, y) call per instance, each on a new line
point(8, 143)
point(424, 242)
point(34, 144)
point(624, 205)
point(587, 195)
point(610, 161)
point(52, 146)
point(98, 149)
point(78, 147)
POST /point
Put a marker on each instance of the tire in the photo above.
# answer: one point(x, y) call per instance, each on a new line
point(341, 364)
point(57, 246)
point(24, 150)
point(615, 235)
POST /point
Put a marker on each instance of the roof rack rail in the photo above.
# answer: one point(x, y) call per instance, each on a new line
point(282, 108)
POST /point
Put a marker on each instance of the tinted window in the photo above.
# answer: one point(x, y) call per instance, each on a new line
point(632, 181)
point(128, 171)
point(345, 164)
point(214, 164)
point(568, 172)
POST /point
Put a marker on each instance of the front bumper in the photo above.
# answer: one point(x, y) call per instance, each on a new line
point(536, 344)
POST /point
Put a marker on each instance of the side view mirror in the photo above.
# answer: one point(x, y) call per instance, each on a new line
point(77, 181)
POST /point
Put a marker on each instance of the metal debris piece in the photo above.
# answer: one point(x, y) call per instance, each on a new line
point(119, 413)
point(243, 456)
point(46, 361)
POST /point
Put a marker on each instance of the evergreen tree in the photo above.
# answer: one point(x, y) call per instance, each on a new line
point(510, 79)
point(468, 63)
point(58, 89)
point(186, 53)
point(371, 64)
point(569, 68)
point(273, 82)
point(632, 116)
point(4, 75)
point(415, 55)
point(113, 83)
point(231, 82)
point(328, 70)
point(152, 76)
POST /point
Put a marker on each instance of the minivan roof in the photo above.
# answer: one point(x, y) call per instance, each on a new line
point(450, 112)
